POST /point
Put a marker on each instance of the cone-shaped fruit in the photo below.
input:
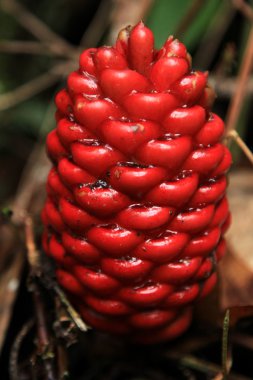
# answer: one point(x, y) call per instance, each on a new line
point(136, 206)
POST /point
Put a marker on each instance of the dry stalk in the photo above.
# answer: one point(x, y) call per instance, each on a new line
point(127, 12)
point(27, 90)
point(36, 27)
point(98, 25)
point(34, 262)
point(237, 100)
point(243, 77)
point(25, 47)
point(15, 350)
point(45, 347)
point(244, 8)
point(239, 141)
point(35, 86)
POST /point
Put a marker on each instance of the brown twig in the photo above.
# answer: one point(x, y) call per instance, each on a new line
point(70, 310)
point(226, 87)
point(45, 347)
point(15, 350)
point(33, 259)
point(206, 367)
point(244, 8)
point(226, 349)
point(233, 134)
point(36, 27)
point(9, 285)
point(98, 25)
point(27, 90)
point(30, 47)
point(127, 12)
point(238, 98)
point(24, 47)
point(35, 86)
point(32, 252)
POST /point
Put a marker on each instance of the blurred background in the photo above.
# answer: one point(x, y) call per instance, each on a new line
point(39, 45)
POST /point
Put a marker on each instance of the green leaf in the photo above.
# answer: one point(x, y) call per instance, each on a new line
point(166, 16)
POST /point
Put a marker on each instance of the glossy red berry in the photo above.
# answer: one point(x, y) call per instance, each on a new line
point(136, 203)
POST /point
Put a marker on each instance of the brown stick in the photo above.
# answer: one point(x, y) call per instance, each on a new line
point(238, 98)
point(239, 141)
point(71, 311)
point(14, 354)
point(39, 29)
point(126, 12)
point(97, 26)
point(33, 259)
point(34, 87)
point(244, 8)
point(44, 345)
point(32, 252)
point(45, 348)
point(24, 47)
point(226, 87)
point(29, 47)
point(27, 90)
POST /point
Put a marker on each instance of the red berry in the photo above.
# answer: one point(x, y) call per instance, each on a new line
point(136, 206)
point(86, 61)
point(82, 83)
point(108, 57)
point(118, 83)
point(141, 48)
point(150, 106)
point(166, 71)
point(190, 88)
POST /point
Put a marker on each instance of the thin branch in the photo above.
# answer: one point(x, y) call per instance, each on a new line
point(226, 360)
point(35, 171)
point(32, 252)
point(46, 349)
point(34, 87)
point(15, 350)
point(71, 311)
point(44, 344)
point(9, 285)
point(206, 367)
point(238, 98)
point(239, 141)
point(30, 47)
point(244, 8)
point(24, 47)
point(98, 25)
point(126, 12)
point(33, 259)
point(35, 26)
point(227, 87)
point(27, 90)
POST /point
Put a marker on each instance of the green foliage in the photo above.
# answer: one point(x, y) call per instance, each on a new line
point(166, 16)
point(27, 117)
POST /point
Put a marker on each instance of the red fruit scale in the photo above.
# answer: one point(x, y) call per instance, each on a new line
point(136, 201)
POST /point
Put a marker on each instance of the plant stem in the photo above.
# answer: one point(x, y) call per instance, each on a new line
point(238, 98)
point(225, 360)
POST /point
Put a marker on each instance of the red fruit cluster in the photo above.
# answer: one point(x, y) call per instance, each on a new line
point(136, 206)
